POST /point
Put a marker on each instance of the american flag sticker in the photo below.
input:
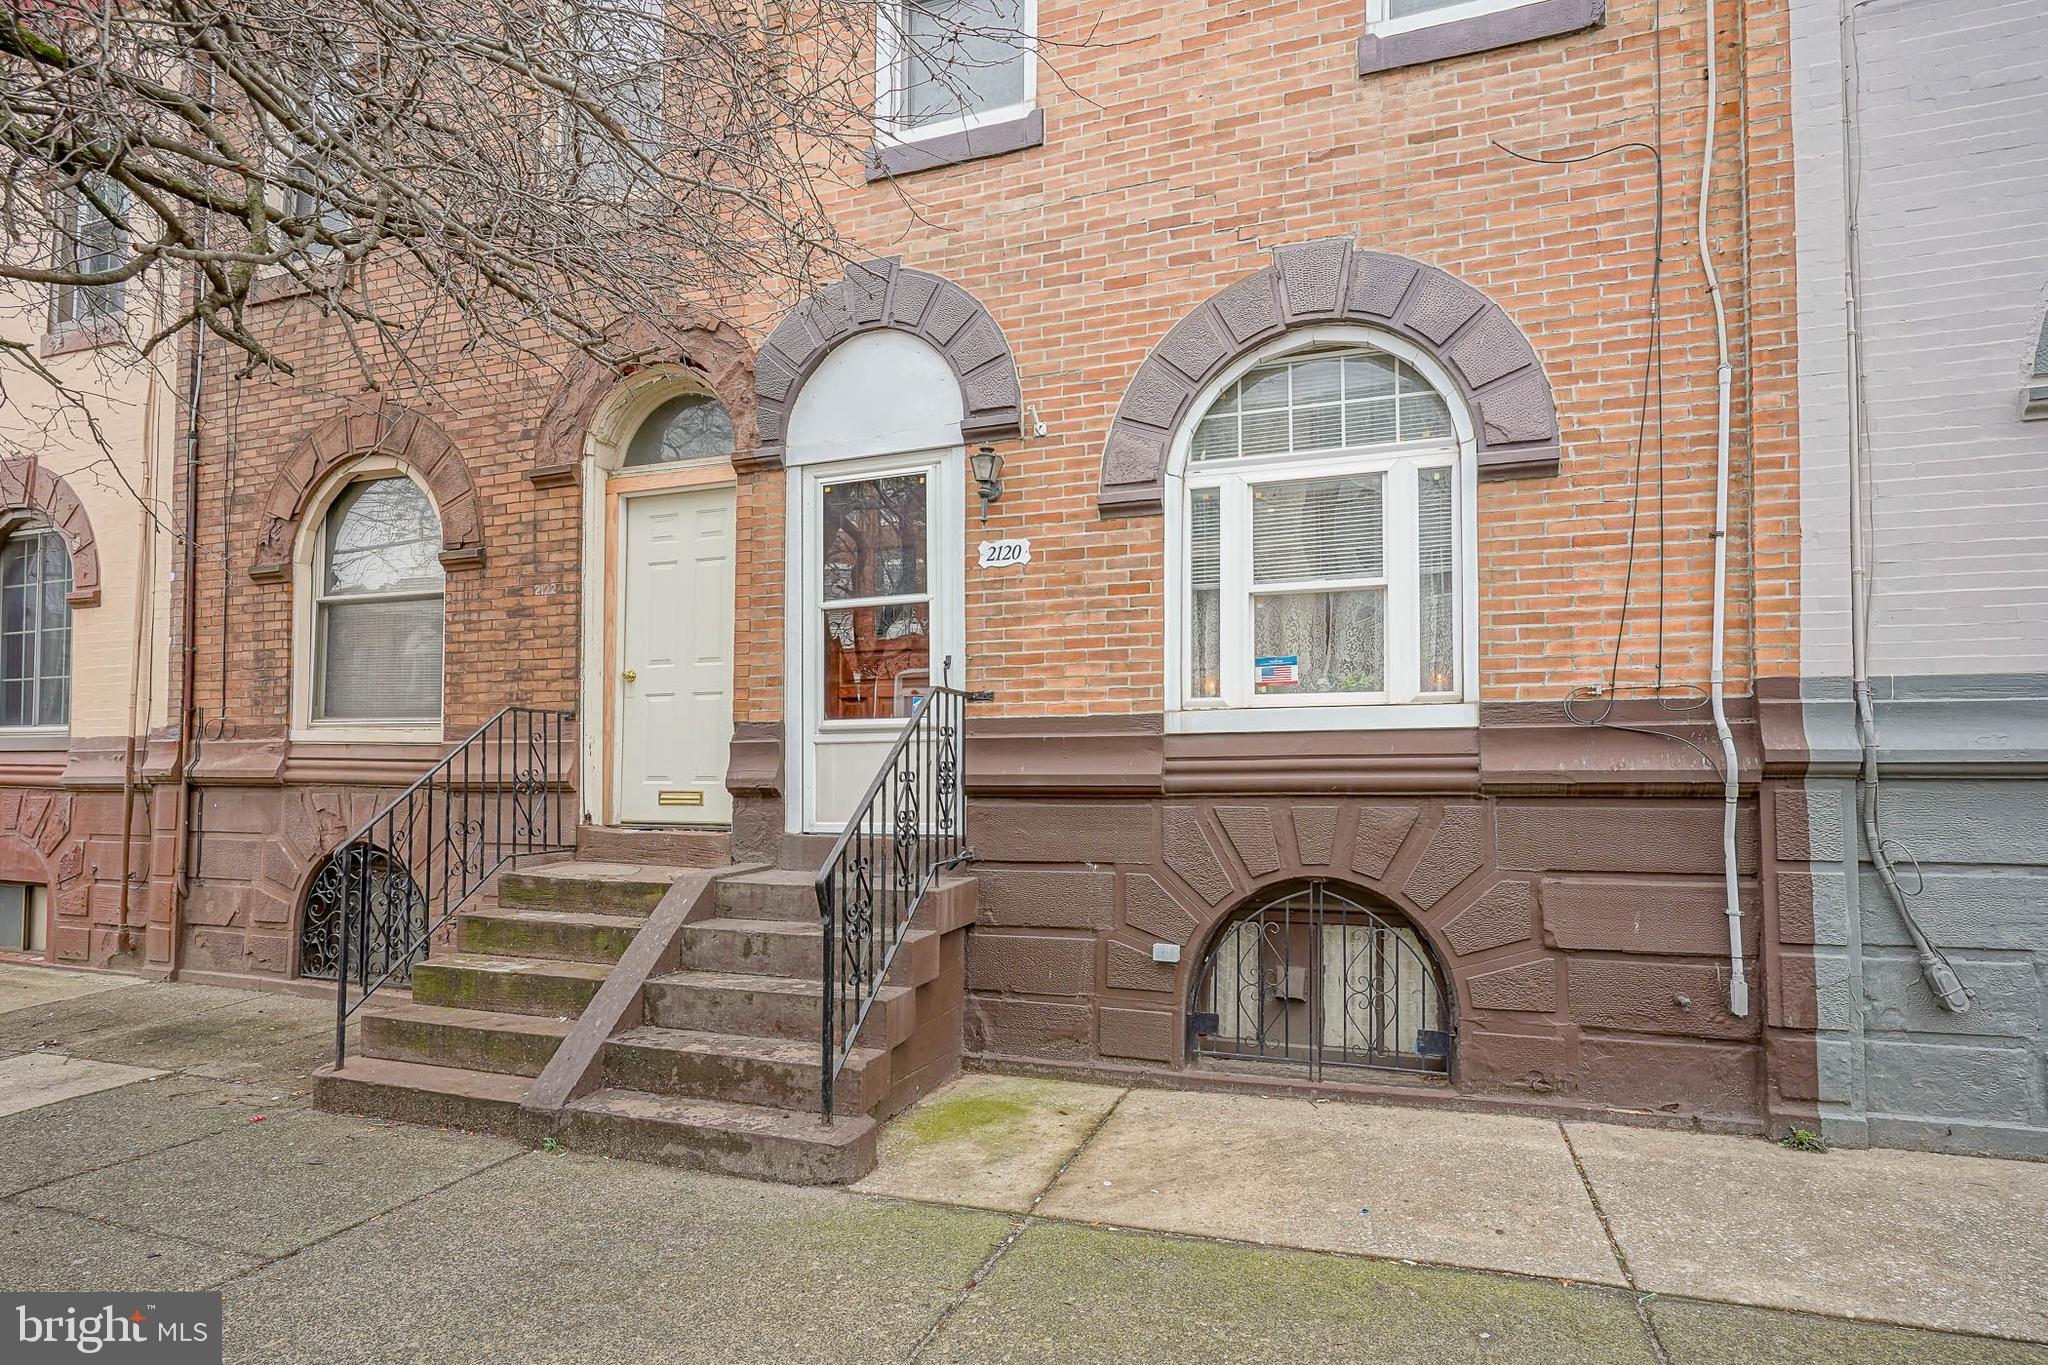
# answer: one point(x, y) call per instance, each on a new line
point(1282, 670)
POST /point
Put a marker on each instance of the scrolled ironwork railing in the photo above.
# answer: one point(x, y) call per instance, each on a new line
point(384, 893)
point(1311, 979)
point(907, 831)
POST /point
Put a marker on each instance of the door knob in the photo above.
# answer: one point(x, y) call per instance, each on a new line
point(629, 675)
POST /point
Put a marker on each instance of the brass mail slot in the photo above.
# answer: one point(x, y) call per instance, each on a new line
point(681, 798)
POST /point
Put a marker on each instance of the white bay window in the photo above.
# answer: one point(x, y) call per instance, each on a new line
point(1322, 541)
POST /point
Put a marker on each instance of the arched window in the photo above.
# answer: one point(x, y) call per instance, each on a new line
point(690, 426)
point(1322, 537)
point(35, 629)
point(377, 605)
point(1307, 976)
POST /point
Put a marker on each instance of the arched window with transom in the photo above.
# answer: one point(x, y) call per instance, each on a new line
point(35, 628)
point(377, 606)
point(690, 426)
point(1323, 539)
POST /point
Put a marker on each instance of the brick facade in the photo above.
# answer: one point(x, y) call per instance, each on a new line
point(1182, 149)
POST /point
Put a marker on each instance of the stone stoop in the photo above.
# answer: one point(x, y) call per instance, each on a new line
point(485, 1019)
point(723, 1071)
point(705, 1051)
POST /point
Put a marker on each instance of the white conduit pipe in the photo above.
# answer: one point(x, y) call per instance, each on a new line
point(1724, 379)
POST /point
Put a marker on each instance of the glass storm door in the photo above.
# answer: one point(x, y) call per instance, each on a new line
point(882, 625)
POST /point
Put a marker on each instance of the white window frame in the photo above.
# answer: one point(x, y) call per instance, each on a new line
point(11, 529)
point(308, 573)
point(1376, 20)
point(890, 130)
point(1402, 705)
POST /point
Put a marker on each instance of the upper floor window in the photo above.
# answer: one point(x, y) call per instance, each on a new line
point(1402, 33)
point(378, 606)
point(618, 56)
point(950, 65)
point(35, 629)
point(690, 426)
point(91, 242)
point(1322, 538)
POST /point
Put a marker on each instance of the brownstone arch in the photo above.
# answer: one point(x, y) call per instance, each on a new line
point(26, 486)
point(709, 348)
point(1492, 363)
point(405, 437)
point(878, 295)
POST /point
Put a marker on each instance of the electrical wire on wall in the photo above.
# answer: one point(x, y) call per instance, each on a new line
point(1652, 384)
point(1593, 704)
point(1935, 968)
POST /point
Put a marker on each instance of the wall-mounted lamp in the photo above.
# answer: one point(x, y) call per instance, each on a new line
point(988, 476)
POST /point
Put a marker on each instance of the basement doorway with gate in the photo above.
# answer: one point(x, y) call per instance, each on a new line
point(1309, 979)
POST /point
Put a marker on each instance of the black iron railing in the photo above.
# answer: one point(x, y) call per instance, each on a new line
point(376, 905)
point(908, 830)
point(1310, 978)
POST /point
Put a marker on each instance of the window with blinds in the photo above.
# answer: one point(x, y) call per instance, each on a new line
point(378, 609)
point(1321, 537)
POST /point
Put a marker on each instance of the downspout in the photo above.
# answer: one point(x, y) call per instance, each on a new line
point(1935, 969)
point(188, 610)
point(1724, 383)
point(188, 664)
point(145, 592)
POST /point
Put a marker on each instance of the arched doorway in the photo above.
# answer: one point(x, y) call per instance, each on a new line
point(1308, 978)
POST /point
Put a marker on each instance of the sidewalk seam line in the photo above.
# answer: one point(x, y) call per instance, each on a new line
point(1017, 1229)
point(1614, 1247)
point(266, 1262)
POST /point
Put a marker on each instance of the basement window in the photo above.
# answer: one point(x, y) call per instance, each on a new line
point(24, 916)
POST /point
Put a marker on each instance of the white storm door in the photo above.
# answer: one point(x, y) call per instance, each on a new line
point(883, 607)
point(675, 657)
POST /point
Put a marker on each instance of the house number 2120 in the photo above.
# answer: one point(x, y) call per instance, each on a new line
point(1005, 554)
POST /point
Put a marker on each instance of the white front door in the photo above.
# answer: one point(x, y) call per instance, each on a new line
point(880, 544)
point(675, 657)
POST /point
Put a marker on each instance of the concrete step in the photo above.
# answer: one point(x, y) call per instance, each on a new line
point(779, 1072)
point(445, 1096)
point(600, 888)
point(476, 1040)
point(772, 893)
point(767, 1007)
point(791, 948)
point(572, 936)
point(711, 1135)
point(512, 985)
point(654, 847)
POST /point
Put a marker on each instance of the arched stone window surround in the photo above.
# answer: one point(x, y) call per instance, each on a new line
point(887, 294)
point(1494, 367)
point(26, 486)
point(302, 568)
point(404, 440)
point(596, 406)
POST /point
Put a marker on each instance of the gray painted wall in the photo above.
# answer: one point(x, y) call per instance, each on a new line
point(1953, 209)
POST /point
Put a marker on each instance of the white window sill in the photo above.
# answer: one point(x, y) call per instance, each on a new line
point(322, 732)
point(32, 737)
point(1270, 719)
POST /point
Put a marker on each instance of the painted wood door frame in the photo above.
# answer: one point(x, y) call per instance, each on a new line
point(945, 565)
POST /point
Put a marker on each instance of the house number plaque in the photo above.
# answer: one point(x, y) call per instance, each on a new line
point(1005, 554)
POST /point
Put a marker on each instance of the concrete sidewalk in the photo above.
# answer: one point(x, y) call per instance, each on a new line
point(1951, 1243)
point(160, 1138)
